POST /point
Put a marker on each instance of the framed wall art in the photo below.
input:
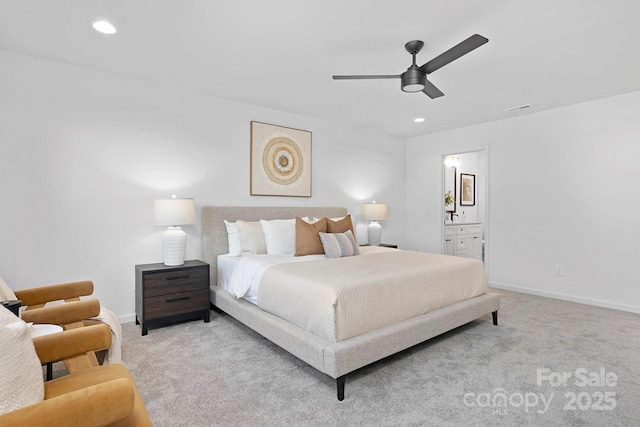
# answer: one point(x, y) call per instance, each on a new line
point(467, 189)
point(280, 161)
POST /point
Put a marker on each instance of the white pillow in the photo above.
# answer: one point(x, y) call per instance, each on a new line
point(337, 245)
point(252, 237)
point(280, 236)
point(20, 370)
point(233, 234)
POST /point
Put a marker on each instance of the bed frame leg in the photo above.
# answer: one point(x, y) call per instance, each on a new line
point(340, 383)
point(495, 317)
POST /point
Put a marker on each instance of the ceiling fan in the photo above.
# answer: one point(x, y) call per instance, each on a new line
point(415, 78)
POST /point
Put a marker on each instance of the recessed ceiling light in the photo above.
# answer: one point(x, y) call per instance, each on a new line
point(419, 119)
point(104, 27)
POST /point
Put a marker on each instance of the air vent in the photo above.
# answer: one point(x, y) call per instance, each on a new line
point(519, 107)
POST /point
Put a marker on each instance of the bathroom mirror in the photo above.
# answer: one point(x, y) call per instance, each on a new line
point(450, 187)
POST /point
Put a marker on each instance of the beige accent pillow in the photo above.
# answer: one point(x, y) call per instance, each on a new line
point(252, 237)
point(308, 237)
point(6, 294)
point(340, 226)
point(21, 382)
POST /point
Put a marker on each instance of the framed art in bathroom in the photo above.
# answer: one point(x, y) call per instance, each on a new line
point(467, 189)
point(280, 161)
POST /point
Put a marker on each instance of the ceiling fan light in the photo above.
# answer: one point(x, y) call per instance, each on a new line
point(413, 80)
point(414, 87)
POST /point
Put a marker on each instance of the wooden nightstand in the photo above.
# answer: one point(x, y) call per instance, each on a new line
point(171, 293)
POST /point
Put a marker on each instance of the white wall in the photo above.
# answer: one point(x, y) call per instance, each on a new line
point(83, 154)
point(562, 189)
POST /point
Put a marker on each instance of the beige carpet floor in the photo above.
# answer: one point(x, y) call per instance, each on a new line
point(548, 363)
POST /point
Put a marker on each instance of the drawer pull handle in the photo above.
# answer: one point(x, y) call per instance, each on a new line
point(186, 276)
point(178, 299)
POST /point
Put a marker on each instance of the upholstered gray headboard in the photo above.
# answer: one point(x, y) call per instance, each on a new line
point(214, 232)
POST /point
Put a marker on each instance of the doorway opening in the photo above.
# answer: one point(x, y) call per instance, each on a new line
point(465, 204)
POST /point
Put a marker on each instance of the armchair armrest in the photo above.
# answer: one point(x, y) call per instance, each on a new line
point(62, 314)
point(74, 342)
point(63, 291)
point(98, 405)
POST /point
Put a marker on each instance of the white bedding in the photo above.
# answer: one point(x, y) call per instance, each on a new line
point(241, 275)
point(225, 266)
point(396, 288)
point(341, 298)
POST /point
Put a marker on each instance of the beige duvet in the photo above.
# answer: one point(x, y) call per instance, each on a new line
point(341, 298)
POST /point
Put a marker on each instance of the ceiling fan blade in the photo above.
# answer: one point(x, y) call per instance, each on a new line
point(382, 76)
point(432, 91)
point(454, 53)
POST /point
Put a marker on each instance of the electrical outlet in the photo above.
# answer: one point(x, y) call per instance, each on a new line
point(559, 270)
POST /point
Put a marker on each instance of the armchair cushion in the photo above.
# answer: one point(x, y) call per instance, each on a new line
point(62, 314)
point(74, 342)
point(21, 381)
point(138, 415)
point(101, 404)
point(63, 291)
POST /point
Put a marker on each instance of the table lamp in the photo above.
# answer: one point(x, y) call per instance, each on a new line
point(374, 212)
point(174, 213)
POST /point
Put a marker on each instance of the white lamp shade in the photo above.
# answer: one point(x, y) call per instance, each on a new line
point(174, 212)
point(374, 211)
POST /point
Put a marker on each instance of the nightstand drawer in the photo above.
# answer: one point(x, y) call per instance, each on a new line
point(175, 304)
point(171, 282)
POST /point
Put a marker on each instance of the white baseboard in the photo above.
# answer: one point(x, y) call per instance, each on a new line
point(572, 298)
point(127, 318)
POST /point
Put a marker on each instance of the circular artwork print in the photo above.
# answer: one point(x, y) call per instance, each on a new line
point(282, 160)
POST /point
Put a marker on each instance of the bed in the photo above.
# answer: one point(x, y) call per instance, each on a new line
point(334, 357)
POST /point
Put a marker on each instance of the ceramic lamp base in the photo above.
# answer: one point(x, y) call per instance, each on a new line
point(374, 233)
point(174, 245)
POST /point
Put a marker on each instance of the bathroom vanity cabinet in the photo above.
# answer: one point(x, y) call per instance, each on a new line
point(463, 239)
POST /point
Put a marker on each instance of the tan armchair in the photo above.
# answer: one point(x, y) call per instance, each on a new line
point(88, 396)
point(68, 316)
point(75, 313)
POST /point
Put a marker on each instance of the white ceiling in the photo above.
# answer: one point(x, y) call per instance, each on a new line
point(281, 54)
